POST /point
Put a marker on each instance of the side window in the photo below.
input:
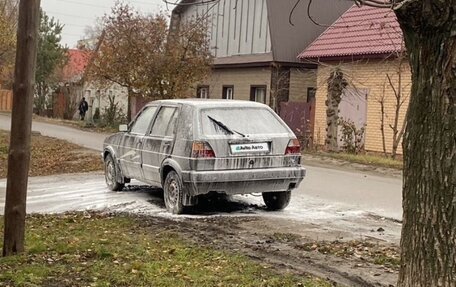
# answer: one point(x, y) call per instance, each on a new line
point(228, 92)
point(202, 92)
point(142, 122)
point(258, 94)
point(165, 122)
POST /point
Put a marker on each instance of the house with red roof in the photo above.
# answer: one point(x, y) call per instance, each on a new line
point(74, 86)
point(366, 44)
point(76, 65)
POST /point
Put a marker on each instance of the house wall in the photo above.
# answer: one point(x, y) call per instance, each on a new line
point(98, 97)
point(235, 27)
point(241, 79)
point(300, 81)
point(369, 75)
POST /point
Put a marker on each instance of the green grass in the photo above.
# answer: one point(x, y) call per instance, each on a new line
point(366, 159)
point(96, 250)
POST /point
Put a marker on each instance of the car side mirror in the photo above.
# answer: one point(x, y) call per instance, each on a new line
point(123, 128)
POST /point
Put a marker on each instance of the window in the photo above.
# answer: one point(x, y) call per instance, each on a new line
point(258, 94)
point(228, 92)
point(165, 122)
point(143, 120)
point(249, 121)
point(311, 94)
point(202, 92)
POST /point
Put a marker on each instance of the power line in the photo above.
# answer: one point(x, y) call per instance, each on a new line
point(84, 4)
point(106, 7)
point(146, 3)
point(195, 3)
point(74, 25)
point(72, 35)
point(69, 15)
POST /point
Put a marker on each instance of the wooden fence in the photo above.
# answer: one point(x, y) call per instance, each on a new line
point(6, 100)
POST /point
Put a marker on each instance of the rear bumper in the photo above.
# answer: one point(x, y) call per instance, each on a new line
point(243, 181)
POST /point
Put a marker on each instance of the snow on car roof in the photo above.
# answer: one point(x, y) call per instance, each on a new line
point(208, 103)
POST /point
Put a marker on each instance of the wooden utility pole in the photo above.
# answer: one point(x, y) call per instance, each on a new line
point(21, 125)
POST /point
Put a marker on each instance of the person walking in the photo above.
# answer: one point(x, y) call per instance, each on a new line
point(83, 107)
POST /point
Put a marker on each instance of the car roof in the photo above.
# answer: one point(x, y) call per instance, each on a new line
point(210, 103)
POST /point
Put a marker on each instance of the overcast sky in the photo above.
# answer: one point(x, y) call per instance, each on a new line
point(77, 14)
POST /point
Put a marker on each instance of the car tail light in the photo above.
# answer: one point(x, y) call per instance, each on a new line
point(294, 147)
point(202, 150)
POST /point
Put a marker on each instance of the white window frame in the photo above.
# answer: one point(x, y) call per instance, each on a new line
point(203, 92)
point(228, 92)
point(254, 93)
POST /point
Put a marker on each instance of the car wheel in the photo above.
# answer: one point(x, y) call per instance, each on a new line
point(277, 200)
point(173, 193)
point(111, 174)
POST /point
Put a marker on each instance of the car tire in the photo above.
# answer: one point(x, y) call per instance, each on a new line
point(276, 200)
point(173, 193)
point(111, 170)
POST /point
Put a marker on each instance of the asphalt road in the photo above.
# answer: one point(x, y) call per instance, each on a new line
point(324, 192)
point(86, 139)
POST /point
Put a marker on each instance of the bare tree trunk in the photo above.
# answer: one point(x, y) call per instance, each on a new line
point(382, 120)
point(280, 86)
point(129, 107)
point(21, 124)
point(336, 86)
point(397, 134)
point(428, 241)
point(396, 138)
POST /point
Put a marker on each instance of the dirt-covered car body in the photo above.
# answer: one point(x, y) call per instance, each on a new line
point(226, 146)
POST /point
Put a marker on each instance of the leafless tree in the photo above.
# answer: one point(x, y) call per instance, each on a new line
point(395, 83)
point(428, 241)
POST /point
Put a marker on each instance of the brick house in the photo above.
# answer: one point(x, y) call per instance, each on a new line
point(71, 86)
point(366, 44)
point(74, 86)
point(255, 48)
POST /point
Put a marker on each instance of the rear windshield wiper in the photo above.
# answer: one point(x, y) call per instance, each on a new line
point(223, 126)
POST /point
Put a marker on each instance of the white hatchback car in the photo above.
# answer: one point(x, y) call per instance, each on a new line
point(195, 147)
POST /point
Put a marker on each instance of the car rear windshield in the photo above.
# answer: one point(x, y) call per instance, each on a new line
point(247, 121)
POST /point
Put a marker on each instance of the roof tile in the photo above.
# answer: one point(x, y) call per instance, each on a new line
point(359, 31)
point(76, 65)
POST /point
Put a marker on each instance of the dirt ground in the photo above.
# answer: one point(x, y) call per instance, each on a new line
point(300, 248)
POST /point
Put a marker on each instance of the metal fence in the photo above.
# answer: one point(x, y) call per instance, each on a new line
point(300, 117)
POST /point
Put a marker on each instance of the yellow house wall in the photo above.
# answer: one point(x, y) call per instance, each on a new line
point(371, 75)
point(241, 78)
point(300, 81)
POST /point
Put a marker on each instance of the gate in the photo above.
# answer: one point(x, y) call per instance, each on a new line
point(6, 100)
point(300, 117)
